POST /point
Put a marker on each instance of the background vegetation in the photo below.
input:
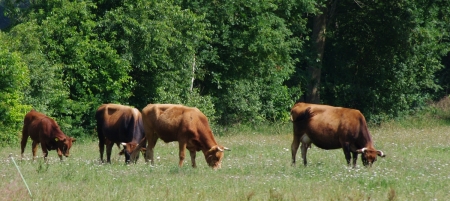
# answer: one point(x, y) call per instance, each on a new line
point(257, 168)
point(240, 62)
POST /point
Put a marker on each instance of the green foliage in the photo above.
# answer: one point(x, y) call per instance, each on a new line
point(160, 40)
point(203, 103)
point(382, 57)
point(92, 69)
point(14, 78)
point(78, 72)
point(240, 62)
point(46, 91)
point(251, 59)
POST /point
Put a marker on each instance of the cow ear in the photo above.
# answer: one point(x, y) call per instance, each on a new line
point(73, 139)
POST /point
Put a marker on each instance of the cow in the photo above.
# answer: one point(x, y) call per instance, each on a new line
point(44, 130)
point(330, 127)
point(187, 125)
point(118, 124)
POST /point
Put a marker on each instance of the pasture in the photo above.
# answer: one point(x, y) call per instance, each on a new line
point(417, 167)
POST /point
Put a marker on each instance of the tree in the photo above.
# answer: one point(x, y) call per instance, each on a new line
point(161, 41)
point(13, 80)
point(74, 70)
point(249, 58)
point(318, 38)
point(381, 57)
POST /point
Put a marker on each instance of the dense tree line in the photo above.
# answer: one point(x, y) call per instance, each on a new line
point(238, 61)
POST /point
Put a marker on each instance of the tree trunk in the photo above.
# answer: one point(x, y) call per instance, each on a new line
point(314, 68)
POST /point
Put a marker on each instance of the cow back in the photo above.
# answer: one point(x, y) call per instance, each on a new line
point(169, 121)
point(120, 123)
point(39, 126)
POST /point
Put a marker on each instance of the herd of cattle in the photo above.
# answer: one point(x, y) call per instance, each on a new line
point(325, 126)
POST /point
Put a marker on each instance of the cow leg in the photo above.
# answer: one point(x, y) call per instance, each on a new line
point(355, 157)
point(346, 149)
point(193, 154)
point(108, 151)
point(101, 146)
point(306, 143)
point(182, 147)
point(44, 151)
point(34, 148)
point(60, 154)
point(151, 145)
point(304, 150)
point(23, 143)
point(294, 147)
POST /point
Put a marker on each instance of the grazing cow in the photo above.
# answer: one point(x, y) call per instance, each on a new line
point(118, 124)
point(44, 130)
point(330, 127)
point(189, 126)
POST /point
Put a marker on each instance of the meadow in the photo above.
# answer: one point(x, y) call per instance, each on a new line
point(417, 167)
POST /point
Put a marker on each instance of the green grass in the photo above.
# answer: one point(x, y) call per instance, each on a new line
point(417, 167)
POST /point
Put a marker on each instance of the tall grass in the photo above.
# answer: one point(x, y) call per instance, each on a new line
point(417, 167)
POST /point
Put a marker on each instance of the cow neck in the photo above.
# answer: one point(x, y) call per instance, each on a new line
point(208, 144)
point(365, 142)
point(56, 129)
point(366, 136)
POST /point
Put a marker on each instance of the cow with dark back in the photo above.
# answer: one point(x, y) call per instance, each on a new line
point(118, 124)
point(44, 130)
point(330, 127)
point(187, 125)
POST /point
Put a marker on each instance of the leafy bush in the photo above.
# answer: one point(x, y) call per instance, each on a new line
point(14, 78)
point(384, 70)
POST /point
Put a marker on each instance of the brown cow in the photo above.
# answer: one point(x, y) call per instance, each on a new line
point(189, 126)
point(330, 127)
point(44, 130)
point(118, 124)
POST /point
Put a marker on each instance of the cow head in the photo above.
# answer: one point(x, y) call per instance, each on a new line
point(128, 149)
point(214, 156)
point(369, 155)
point(63, 145)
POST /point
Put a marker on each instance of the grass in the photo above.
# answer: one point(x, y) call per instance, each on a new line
point(417, 167)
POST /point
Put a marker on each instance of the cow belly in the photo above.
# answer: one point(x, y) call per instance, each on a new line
point(118, 137)
point(168, 135)
point(325, 143)
point(168, 138)
point(34, 136)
